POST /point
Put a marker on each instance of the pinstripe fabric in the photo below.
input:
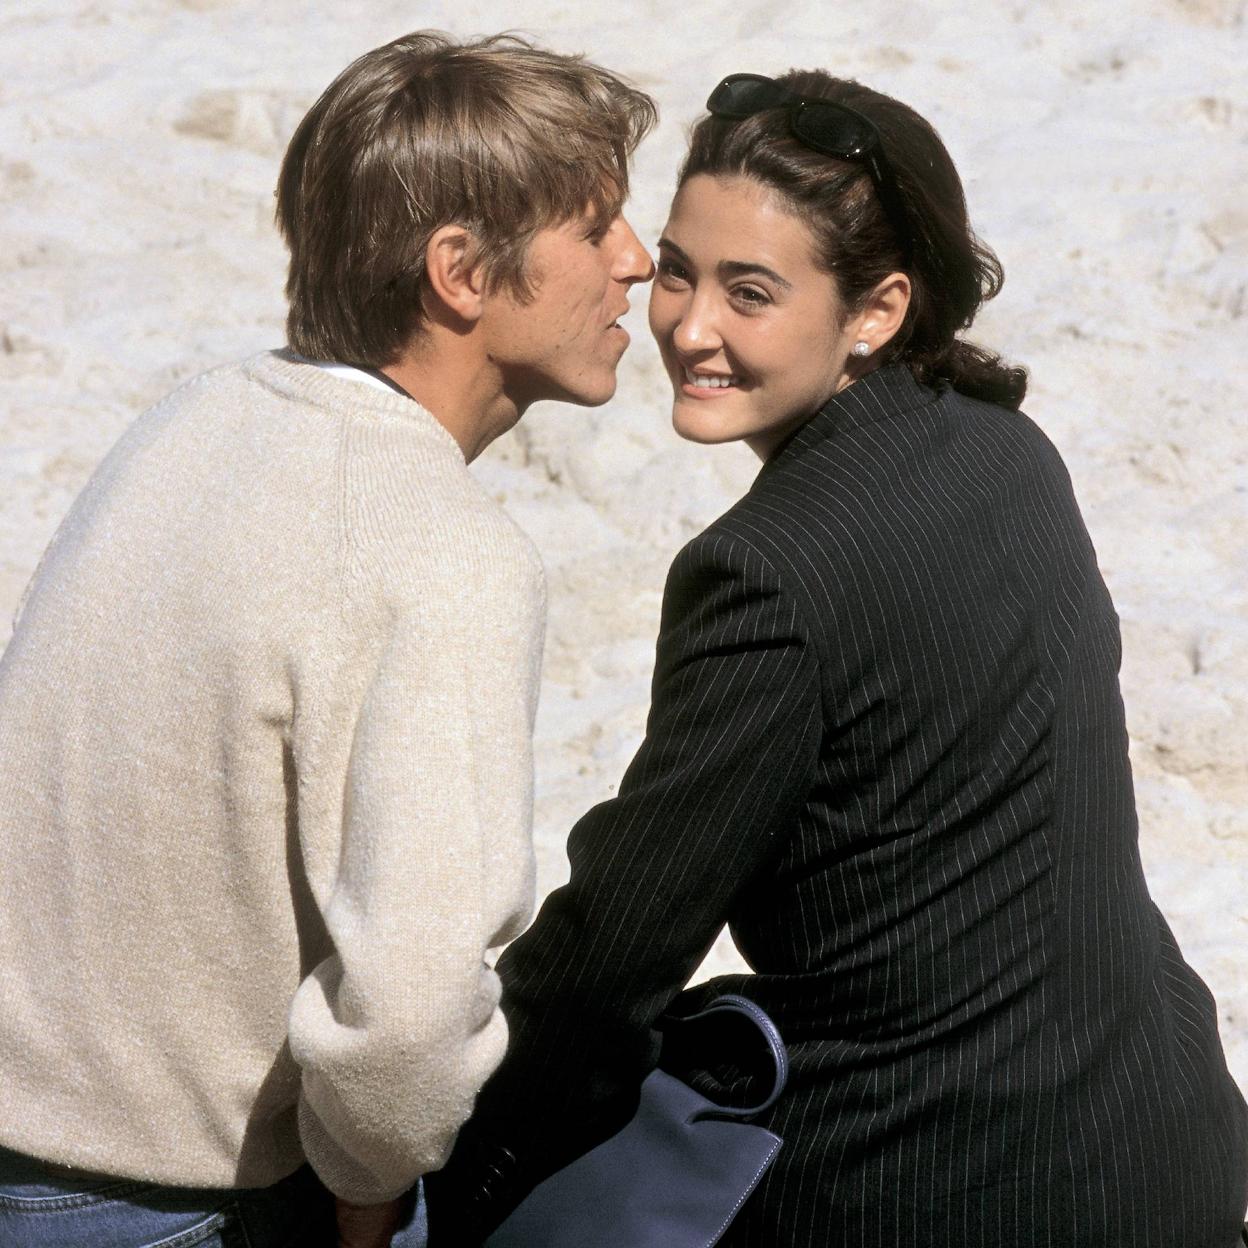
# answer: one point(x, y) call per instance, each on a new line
point(887, 746)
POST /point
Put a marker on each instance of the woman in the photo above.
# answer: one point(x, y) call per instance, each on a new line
point(886, 746)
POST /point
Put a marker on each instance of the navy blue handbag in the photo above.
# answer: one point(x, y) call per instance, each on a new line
point(674, 1177)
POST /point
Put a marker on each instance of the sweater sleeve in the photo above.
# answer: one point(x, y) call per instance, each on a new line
point(396, 1030)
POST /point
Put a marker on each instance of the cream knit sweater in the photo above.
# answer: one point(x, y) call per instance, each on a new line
point(265, 793)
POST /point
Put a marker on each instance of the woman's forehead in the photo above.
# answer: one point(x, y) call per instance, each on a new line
point(714, 217)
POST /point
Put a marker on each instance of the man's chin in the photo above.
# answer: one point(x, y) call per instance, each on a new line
point(590, 396)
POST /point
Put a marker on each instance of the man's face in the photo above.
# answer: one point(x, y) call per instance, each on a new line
point(565, 343)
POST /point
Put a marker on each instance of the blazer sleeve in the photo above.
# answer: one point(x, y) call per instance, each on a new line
point(727, 761)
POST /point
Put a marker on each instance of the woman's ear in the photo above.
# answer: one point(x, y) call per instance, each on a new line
point(452, 277)
point(883, 313)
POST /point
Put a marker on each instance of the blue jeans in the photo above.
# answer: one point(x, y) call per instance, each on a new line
point(39, 1208)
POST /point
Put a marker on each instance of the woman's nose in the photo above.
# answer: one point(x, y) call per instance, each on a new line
point(695, 330)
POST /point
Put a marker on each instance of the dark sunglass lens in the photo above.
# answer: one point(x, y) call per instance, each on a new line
point(744, 95)
point(834, 130)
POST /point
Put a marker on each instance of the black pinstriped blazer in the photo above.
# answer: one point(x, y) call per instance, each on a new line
point(887, 747)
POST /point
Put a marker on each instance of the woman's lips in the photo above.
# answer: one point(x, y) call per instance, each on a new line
point(708, 385)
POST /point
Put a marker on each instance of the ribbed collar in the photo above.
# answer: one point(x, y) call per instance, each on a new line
point(289, 374)
point(887, 392)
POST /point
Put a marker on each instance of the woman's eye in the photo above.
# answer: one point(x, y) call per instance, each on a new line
point(751, 296)
point(672, 270)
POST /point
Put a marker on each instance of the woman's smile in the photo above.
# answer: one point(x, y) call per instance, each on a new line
point(703, 385)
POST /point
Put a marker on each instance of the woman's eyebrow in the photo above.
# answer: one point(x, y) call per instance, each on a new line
point(743, 268)
point(730, 268)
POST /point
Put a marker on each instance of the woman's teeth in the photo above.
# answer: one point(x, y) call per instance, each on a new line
point(710, 383)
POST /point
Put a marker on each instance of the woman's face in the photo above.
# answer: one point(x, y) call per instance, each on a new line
point(753, 333)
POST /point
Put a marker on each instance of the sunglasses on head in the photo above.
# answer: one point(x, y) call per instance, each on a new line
point(823, 126)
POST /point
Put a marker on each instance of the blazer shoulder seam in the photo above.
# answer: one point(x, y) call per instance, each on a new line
point(733, 538)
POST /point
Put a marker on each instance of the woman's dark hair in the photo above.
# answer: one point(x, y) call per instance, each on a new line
point(951, 272)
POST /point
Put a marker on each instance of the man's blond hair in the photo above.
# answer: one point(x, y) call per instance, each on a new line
point(496, 135)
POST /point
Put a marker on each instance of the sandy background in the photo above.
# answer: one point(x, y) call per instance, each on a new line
point(1105, 158)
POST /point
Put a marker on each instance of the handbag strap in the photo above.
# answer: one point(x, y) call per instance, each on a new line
point(733, 1004)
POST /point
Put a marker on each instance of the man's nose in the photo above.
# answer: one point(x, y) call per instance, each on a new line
point(632, 260)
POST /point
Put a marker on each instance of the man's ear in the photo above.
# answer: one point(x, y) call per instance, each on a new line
point(453, 278)
point(884, 312)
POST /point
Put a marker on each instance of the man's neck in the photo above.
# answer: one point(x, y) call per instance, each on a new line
point(446, 376)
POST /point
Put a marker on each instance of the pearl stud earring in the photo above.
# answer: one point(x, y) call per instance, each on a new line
point(862, 349)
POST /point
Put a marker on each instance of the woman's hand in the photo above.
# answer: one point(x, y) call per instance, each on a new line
point(367, 1226)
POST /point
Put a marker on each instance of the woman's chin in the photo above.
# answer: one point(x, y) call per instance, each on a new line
point(699, 426)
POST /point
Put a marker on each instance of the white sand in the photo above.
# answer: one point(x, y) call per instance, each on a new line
point(1104, 153)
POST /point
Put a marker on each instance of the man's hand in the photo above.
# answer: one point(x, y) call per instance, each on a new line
point(367, 1226)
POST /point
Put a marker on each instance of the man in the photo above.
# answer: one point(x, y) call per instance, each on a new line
point(265, 717)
